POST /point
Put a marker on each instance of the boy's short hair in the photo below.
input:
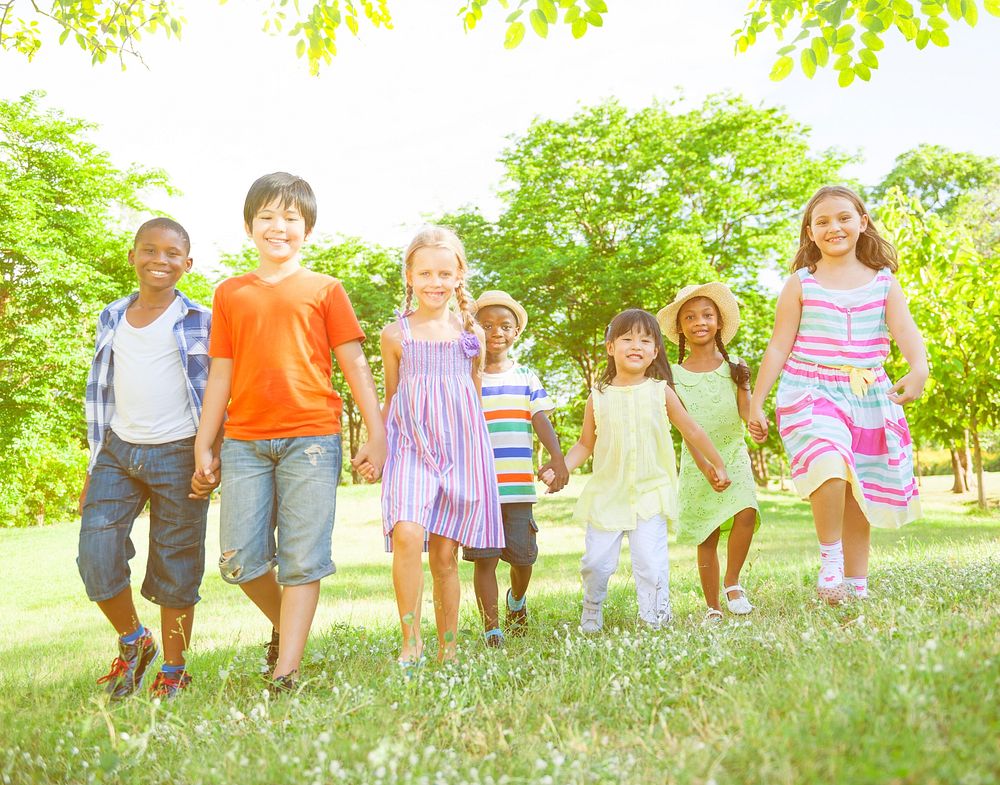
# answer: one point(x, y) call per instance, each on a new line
point(164, 223)
point(288, 189)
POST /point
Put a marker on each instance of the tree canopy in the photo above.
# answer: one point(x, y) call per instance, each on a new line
point(828, 34)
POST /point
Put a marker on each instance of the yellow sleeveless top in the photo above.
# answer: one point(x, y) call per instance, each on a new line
point(635, 473)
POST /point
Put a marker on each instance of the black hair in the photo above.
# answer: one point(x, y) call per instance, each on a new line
point(288, 190)
point(165, 223)
point(740, 373)
point(636, 319)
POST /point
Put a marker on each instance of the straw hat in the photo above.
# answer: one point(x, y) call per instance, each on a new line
point(718, 293)
point(497, 297)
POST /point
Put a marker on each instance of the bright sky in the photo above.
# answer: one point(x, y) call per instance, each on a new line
point(408, 122)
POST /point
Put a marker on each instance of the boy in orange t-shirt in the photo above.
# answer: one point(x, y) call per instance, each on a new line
point(273, 331)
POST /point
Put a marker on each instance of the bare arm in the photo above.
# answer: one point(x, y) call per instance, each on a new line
point(584, 447)
point(911, 343)
point(701, 446)
point(557, 462)
point(786, 325)
point(390, 342)
point(213, 413)
point(354, 365)
point(743, 399)
point(478, 362)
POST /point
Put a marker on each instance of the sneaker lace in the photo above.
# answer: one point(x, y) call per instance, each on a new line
point(164, 681)
point(119, 667)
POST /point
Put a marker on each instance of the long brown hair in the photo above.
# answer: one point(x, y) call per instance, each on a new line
point(872, 250)
point(636, 320)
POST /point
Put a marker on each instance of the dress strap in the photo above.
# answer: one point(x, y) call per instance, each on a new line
point(404, 325)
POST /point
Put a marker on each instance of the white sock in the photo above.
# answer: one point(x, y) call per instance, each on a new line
point(859, 587)
point(831, 571)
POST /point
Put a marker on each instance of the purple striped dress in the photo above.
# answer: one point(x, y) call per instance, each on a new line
point(833, 410)
point(439, 470)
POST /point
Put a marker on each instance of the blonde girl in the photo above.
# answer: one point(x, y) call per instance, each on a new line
point(838, 414)
point(439, 484)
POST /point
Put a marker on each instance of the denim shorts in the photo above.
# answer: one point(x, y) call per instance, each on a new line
point(278, 501)
point(126, 476)
point(519, 530)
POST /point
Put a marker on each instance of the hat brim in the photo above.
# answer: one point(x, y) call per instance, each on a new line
point(718, 293)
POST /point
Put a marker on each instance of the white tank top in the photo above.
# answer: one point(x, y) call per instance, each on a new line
point(151, 395)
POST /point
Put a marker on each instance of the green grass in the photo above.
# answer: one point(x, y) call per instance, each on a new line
point(901, 689)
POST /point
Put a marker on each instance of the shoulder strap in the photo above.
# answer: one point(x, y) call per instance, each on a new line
point(404, 325)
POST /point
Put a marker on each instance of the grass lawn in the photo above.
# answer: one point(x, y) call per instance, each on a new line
point(903, 688)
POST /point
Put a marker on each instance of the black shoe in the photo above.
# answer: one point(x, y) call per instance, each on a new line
point(517, 621)
point(283, 684)
point(129, 667)
point(272, 651)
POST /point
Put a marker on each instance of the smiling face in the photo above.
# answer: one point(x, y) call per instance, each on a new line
point(433, 273)
point(835, 226)
point(160, 257)
point(633, 351)
point(500, 325)
point(278, 230)
point(698, 321)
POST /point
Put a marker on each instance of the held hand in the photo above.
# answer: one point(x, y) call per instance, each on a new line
point(912, 386)
point(366, 469)
point(757, 424)
point(369, 461)
point(717, 478)
point(559, 473)
point(206, 478)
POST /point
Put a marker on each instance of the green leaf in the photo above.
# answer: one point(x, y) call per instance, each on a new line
point(971, 13)
point(513, 16)
point(922, 38)
point(868, 58)
point(822, 50)
point(955, 9)
point(598, 5)
point(539, 23)
point(808, 60)
point(862, 71)
point(872, 41)
point(515, 34)
point(845, 32)
point(742, 43)
point(843, 46)
point(579, 27)
point(548, 8)
point(594, 19)
point(572, 15)
point(786, 49)
point(939, 38)
point(873, 23)
point(846, 77)
point(842, 62)
point(470, 20)
point(63, 36)
point(992, 7)
point(907, 28)
point(782, 68)
point(300, 48)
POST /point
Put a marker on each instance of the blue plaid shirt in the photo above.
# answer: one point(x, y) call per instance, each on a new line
point(191, 332)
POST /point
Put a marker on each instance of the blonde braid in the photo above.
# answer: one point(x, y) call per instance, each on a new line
point(408, 304)
point(465, 308)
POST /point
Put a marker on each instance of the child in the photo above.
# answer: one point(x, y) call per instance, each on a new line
point(144, 397)
point(633, 488)
point(838, 414)
point(514, 402)
point(274, 330)
point(440, 486)
point(715, 389)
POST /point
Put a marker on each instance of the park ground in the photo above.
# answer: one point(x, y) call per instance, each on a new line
point(903, 688)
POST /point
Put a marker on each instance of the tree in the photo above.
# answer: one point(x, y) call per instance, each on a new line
point(951, 289)
point(827, 30)
point(62, 257)
point(938, 177)
point(609, 210)
point(104, 28)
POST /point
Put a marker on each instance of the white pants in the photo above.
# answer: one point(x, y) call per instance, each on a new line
point(650, 567)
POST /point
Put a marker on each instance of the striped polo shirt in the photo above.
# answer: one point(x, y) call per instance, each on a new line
point(510, 400)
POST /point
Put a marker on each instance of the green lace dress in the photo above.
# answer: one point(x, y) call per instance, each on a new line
point(710, 398)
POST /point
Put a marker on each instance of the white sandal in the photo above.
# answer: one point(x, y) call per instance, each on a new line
point(713, 617)
point(741, 605)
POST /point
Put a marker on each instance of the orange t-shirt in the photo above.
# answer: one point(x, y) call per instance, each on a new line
point(279, 337)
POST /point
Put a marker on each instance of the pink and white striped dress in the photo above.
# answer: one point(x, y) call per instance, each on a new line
point(439, 471)
point(833, 412)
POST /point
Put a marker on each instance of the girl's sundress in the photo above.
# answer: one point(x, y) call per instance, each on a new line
point(710, 399)
point(439, 469)
point(833, 410)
